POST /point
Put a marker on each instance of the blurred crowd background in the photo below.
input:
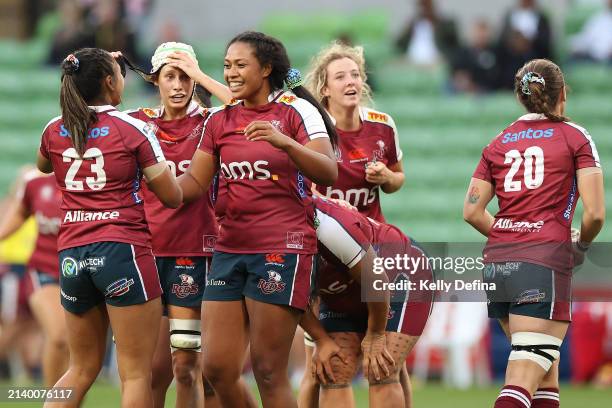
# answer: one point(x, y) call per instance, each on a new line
point(443, 69)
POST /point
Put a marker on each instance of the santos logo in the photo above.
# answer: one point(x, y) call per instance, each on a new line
point(355, 196)
point(528, 134)
point(244, 169)
point(93, 133)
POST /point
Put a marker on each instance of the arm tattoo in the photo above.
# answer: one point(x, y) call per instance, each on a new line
point(474, 195)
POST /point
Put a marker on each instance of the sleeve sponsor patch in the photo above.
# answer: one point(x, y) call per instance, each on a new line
point(377, 117)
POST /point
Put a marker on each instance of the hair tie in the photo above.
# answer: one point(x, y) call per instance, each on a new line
point(294, 78)
point(529, 78)
point(74, 63)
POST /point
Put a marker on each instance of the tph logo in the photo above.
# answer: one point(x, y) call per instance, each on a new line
point(244, 169)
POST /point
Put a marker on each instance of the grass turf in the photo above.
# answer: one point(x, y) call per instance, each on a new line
point(427, 396)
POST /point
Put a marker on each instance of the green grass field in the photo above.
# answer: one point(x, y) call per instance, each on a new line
point(427, 396)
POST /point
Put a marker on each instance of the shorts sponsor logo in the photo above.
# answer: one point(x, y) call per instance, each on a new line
point(70, 267)
point(332, 315)
point(295, 240)
point(530, 296)
point(390, 314)
point(275, 259)
point(518, 226)
point(489, 271)
point(209, 243)
point(528, 134)
point(184, 263)
point(87, 216)
point(215, 282)
point(186, 287)
point(119, 287)
point(92, 262)
point(69, 298)
point(273, 284)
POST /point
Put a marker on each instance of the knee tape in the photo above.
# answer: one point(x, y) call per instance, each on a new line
point(308, 341)
point(185, 334)
point(537, 347)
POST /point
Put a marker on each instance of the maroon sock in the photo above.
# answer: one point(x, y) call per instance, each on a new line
point(512, 396)
point(546, 398)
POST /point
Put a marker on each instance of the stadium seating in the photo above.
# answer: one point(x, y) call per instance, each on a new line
point(441, 135)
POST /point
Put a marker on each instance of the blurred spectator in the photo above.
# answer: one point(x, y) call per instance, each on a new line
point(428, 37)
point(73, 34)
point(594, 42)
point(87, 23)
point(474, 67)
point(529, 22)
point(591, 342)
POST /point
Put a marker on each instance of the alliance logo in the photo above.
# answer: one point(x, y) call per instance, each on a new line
point(273, 284)
point(186, 287)
point(86, 216)
point(70, 267)
point(518, 226)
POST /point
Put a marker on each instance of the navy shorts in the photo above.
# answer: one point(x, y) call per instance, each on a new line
point(39, 279)
point(117, 273)
point(282, 279)
point(527, 289)
point(183, 279)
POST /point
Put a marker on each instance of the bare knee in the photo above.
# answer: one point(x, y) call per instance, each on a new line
point(185, 368)
point(266, 373)
point(218, 373)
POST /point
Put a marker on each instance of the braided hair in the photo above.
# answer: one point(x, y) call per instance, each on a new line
point(270, 51)
point(538, 86)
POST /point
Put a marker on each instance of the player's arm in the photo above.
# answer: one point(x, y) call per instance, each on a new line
point(185, 63)
point(591, 190)
point(196, 180)
point(389, 178)
point(475, 213)
point(15, 213)
point(315, 159)
point(43, 164)
point(325, 347)
point(163, 184)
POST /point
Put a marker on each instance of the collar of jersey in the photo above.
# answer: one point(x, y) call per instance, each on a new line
point(533, 116)
point(191, 109)
point(362, 115)
point(102, 108)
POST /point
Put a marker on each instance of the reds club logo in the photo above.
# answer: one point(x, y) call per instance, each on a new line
point(380, 153)
point(278, 125)
point(186, 287)
point(273, 284)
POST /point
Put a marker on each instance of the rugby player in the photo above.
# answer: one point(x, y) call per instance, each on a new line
point(108, 273)
point(537, 168)
point(38, 196)
point(268, 146)
point(381, 331)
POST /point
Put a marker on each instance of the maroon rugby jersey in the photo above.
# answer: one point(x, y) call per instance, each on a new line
point(532, 165)
point(101, 193)
point(376, 139)
point(267, 203)
point(191, 229)
point(343, 237)
point(41, 198)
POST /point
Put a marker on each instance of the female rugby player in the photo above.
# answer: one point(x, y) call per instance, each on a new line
point(108, 273)
point(537, 168)
point(268, 146)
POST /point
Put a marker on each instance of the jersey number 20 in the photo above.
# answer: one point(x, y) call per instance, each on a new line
point(95, 183)
point(534, 168)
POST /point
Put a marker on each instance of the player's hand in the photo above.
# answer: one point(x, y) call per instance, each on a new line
point(578, 253)
point(265, 131)
point(185, 63)
point(377, 361)
point(325, 349)
point(377, 173)
point(342, 203)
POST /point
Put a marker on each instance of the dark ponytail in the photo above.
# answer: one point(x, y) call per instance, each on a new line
point(82, 76)
point(270, 51)
point(538, 85)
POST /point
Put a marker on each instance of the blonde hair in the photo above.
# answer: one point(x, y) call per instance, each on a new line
point(316, 79)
